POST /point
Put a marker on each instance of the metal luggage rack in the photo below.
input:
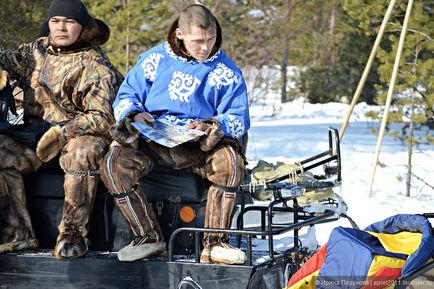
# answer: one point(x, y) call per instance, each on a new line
point(332, 154)
point(282, 193)
point(247, 233)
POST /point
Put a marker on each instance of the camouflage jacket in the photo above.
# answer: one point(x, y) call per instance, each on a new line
point(73, 89)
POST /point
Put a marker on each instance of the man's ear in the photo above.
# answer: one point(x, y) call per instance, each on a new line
point(178, 34)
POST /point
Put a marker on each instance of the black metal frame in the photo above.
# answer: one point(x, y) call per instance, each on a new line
point(248, 233)
point(332, 154)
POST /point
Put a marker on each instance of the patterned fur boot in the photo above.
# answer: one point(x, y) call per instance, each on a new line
point(218, 213)
point(140, 216)
point(122, 169)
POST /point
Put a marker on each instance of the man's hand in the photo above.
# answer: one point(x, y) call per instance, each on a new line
point(213, 131)
point(144, 116)
point(124, 132)
point(50, 144)
point(198, 125)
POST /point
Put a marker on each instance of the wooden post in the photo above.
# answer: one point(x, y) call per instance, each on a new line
point(367, 68)
point(390, 92)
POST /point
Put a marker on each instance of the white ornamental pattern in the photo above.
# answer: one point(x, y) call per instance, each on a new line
point(178, 121)
point(150, 65)
point(222, 76)
point(121, 107)
point(182, 86)
point(236, 127)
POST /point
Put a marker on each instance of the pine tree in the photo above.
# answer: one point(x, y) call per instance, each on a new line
point(413, 98)
point(136, 25)
point(20, 21)
point(335, 52)
point(317, 39)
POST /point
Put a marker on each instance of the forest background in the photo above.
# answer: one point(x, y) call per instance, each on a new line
point(313, 49)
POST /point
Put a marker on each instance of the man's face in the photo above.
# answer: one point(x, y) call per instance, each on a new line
point(64, 31)
point(198, 42)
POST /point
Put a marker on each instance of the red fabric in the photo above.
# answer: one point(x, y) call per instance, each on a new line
point(383, 278)
point(312, 265)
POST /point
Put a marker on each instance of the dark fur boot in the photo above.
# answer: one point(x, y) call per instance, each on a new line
point(16, 231)
point(80, 160)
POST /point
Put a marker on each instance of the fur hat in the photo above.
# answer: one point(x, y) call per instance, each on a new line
point(73, 9)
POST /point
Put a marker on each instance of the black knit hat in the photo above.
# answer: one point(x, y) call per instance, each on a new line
point(44, 30)
point(73, 9)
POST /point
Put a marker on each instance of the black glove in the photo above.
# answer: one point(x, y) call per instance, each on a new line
point(7, 101)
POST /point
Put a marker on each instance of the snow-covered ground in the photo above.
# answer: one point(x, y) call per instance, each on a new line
point(293, 131)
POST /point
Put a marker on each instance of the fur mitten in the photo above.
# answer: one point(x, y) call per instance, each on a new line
point(18, 156)
point(214, 133)
point(124, 132)
point(3, 79)
point(50, 144)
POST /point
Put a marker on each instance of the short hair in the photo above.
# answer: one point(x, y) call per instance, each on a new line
point(195, 14)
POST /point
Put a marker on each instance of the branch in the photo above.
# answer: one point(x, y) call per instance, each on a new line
point(423, 181)
point(422, 152)
point(412, 30)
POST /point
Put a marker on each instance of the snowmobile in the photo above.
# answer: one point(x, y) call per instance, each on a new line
point(178, 198)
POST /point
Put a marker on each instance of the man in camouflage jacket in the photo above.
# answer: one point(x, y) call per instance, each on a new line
point(69, 86)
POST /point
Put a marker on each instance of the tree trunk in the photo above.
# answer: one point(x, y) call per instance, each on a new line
point(127, 43)
point(285, 52)
point(283, 71)
point(316, 47)
point(332, 31)
point(127, 50)
point(410, 149)
point(411, 129)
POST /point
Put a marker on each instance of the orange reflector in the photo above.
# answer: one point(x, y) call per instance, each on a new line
point(187, 214)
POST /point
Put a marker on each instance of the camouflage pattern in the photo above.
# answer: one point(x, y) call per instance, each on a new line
point(75, 89)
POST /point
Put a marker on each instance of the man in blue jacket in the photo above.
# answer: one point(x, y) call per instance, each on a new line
point(187, 80)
